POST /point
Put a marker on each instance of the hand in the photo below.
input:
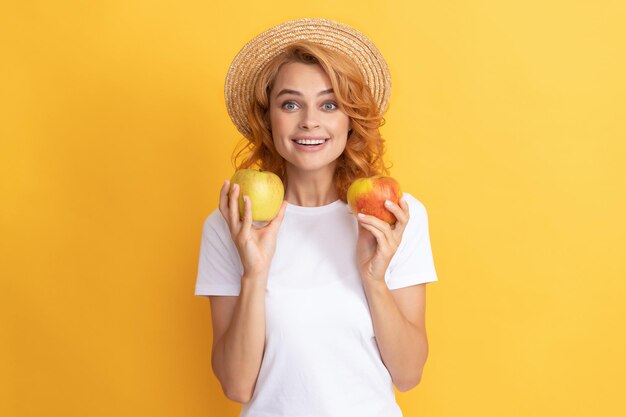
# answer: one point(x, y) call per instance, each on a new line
point(256, 245)
point(378, 241)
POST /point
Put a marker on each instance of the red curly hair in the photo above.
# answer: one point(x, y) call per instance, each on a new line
point(364, 150)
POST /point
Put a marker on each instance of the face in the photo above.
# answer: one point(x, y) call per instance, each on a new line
point(308, 128)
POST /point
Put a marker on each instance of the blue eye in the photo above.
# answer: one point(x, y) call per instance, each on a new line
point(289, 105)
point(330, 106)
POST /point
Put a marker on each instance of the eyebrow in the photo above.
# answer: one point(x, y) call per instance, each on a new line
point(297, 93)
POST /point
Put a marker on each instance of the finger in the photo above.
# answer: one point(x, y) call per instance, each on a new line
point(276, 221)
point(405, 208)
point(381, 225)
point(398, 210)
point(233, 206)
point(247, 214)
point(401, 212)
point(224, 200)
point(381, 239)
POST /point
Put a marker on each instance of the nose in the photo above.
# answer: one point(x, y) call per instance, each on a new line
point(310, 119)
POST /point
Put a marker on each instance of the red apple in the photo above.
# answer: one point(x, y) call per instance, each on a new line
point(265, 189)
point(368, 195)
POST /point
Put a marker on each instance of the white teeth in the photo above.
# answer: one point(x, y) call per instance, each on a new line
point(310, 141)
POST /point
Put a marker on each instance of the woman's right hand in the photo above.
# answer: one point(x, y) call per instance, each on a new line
point(256, 246)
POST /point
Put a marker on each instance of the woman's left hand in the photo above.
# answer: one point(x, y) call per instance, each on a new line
point(378, 241)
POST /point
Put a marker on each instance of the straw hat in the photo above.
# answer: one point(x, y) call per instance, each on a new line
point(247, 65)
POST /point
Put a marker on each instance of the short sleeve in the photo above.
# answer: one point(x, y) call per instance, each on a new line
point(413, 262)
point(219, 266)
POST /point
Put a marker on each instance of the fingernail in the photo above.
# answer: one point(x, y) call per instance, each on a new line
point(361, 215)
point(387, 202)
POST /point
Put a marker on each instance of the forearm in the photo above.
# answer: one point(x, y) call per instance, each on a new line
point(237, 356)
point(403, 346)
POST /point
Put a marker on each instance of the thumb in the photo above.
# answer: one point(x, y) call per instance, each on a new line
point(276, 221)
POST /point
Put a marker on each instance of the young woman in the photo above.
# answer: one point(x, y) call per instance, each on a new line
point(321, 311)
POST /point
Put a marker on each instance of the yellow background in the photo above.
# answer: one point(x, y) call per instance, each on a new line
point(507, 121)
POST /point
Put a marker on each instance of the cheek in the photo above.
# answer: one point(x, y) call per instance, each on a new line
point(277, 123)
point(343, 124)
point(278, 140)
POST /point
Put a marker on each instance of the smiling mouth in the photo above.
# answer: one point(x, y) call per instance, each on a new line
point(310, 142)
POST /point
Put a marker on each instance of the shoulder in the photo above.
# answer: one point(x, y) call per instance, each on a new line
point(417, 210)
point(215, 224)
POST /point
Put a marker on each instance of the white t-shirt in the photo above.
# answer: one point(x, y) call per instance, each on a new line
point(321, 357)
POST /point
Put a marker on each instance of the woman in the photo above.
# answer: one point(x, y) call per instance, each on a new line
point(320, 312)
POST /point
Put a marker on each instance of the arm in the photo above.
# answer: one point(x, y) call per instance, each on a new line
point(398, 315)
point(239, 339)
point(399, 325)
point(239, 322)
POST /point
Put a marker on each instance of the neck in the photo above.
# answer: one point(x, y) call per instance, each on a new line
point(310, 188)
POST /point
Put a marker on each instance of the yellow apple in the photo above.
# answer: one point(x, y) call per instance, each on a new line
point(265, 190)
point(368, 195)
